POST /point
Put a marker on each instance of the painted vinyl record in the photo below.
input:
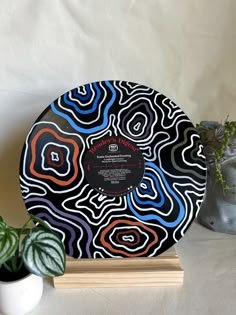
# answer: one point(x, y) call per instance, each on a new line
point(116, 168)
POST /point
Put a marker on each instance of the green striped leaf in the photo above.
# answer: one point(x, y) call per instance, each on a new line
point(9, 241)
point(43, 253)
point(40, 221)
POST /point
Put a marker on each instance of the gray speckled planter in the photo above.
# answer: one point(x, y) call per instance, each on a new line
point(218, 211)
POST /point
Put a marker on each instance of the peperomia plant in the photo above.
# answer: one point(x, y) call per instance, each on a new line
point(39, 249)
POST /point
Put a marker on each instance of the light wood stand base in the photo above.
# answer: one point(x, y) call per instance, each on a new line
point(163, 270)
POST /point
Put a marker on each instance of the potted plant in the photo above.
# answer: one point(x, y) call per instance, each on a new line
point(26, 255)
point(219, 142)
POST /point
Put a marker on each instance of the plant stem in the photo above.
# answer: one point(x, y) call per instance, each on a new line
point(7, 267)
point(12, 265)
point(22, 231)
point(25, 226)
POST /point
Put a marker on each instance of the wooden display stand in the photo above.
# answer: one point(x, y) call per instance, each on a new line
point(163, 270)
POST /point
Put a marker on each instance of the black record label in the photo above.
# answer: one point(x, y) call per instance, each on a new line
point(114, 166)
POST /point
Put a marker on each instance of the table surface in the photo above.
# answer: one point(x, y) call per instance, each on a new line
point(208, 259)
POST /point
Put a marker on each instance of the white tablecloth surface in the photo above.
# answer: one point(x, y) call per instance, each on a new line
point(186, 49)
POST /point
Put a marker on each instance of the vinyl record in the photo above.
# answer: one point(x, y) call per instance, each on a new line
point(116, 168)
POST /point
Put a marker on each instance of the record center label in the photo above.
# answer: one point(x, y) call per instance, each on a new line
point(114, 166)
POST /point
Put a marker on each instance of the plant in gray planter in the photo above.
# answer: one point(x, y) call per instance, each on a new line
point(218, 211)
point(27, 255)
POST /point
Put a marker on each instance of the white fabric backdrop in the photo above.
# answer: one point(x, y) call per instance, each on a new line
point(185, 49)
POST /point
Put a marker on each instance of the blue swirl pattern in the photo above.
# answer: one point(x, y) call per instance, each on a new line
point(74, 124)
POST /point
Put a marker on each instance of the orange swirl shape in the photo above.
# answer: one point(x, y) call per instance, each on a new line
point(75, 155)
point(127, 222)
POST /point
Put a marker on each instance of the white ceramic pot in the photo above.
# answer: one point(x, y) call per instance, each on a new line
point(21, 296)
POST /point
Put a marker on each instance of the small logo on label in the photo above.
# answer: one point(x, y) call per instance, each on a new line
point(113, 147)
